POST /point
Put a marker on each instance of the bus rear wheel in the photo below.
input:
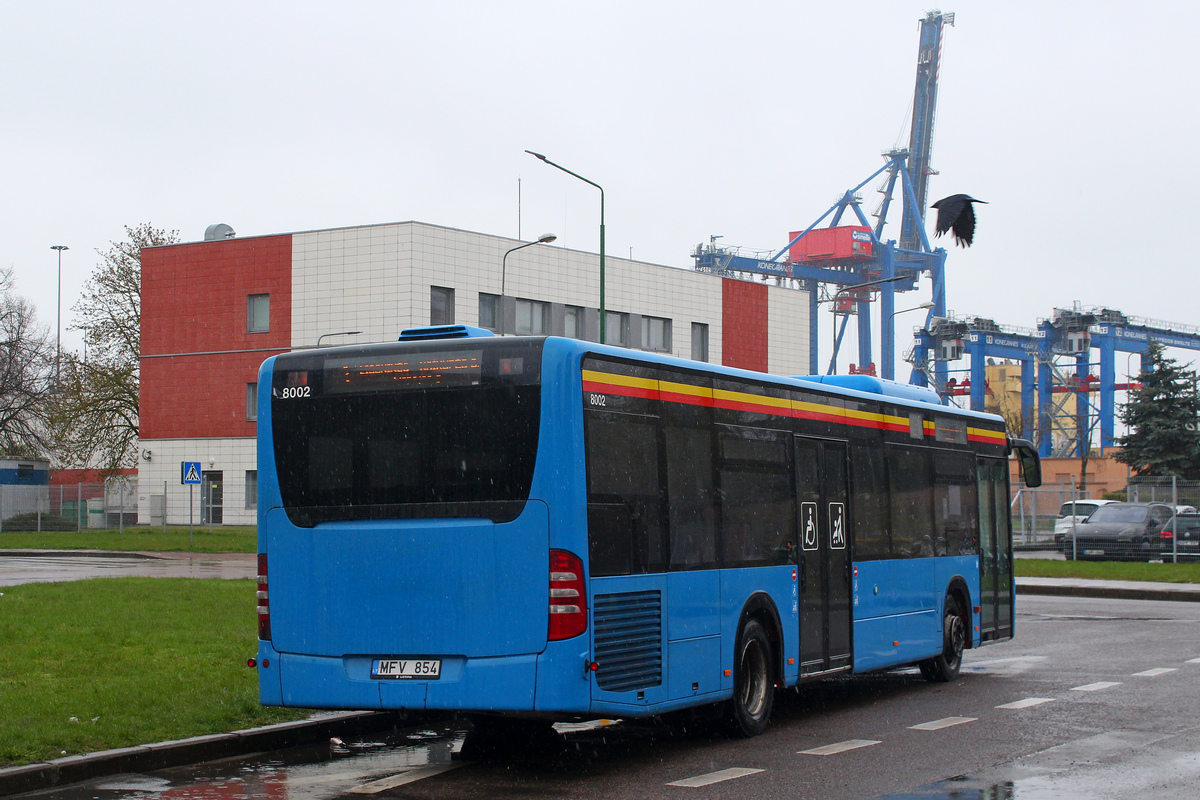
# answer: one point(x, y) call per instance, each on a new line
point(945, 666)
point(753, 685)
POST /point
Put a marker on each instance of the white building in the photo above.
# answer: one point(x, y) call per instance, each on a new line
point(212, 311)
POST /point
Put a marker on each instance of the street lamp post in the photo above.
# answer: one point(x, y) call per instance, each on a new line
point(58, 334)
point(545, 238)
point(833, 301)
point(339, 333)
point(891, 356)
point(601, 188)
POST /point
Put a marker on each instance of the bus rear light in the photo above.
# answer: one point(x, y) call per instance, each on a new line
point(568, 602)
point(264, 604)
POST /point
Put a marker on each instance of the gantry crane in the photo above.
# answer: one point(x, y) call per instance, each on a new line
point(846, 257)
point(1056, 363)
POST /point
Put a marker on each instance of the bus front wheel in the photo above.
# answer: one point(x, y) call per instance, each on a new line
point(945, 666)
point(753, 686)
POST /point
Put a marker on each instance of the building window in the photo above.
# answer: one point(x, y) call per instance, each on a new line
point(656, 334)
point(533, 317)
point(699, 341)
point(489, 311)
point(441, 305)
point(616, 328)
point(258, 313)
point(573, 322)
point(251, 488)
point(252, 401)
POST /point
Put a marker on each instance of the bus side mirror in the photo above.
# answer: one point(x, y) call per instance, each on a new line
point(1031, 463)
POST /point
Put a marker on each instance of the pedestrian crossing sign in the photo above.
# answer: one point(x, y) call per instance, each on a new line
point(189, 473)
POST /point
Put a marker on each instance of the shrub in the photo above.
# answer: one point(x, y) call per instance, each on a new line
point(29, 522)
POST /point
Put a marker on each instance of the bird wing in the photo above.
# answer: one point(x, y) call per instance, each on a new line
point(964, 225)
point(949, 209)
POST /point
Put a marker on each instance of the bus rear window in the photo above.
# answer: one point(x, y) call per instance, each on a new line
point(407, 431)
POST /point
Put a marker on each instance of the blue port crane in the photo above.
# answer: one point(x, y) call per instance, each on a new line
point(1056, 362)
point(886, 267)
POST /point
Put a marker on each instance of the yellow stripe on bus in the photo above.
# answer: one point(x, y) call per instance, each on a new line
point(620, 380)
point(753, 399)
point(685, 388)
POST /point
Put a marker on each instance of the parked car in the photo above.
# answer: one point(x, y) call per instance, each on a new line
point(1185, 527)
point(1071, 514)
point(1128, 531)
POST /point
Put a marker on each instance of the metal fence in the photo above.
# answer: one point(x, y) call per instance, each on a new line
point(1035, 511)
point(69, 507)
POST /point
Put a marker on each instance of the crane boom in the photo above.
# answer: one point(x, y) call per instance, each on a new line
point(920, 140)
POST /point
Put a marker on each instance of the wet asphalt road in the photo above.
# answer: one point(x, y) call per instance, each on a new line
point(1094, 699)
point(17, 567)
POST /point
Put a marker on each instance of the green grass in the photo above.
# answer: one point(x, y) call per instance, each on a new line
point(133, 660)
point(223, 539)
point(1107, 570)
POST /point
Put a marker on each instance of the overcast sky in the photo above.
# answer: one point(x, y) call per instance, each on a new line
point(1077, 122)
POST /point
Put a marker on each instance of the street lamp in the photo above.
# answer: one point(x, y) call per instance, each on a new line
point(890, 356)
point(833, 301)
point(601, 188)
point(339, 333)
point(926, 305)
point(545, 238)
point(58, 335)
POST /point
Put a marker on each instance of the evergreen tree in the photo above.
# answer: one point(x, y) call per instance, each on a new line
point(1161, 418)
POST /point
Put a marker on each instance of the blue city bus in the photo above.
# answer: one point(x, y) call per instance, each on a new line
point(540, 528)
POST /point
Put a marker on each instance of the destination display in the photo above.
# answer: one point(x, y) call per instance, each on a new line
point(403, 371)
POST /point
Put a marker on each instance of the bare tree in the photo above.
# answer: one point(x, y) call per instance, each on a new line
point(26, 358)
point(96, 416)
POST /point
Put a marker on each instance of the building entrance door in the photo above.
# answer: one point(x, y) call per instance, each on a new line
point(210, 497)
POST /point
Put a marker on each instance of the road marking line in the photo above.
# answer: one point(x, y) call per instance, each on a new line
point(938, 724)
point(1193, 661)
point(1095, 687)
point(715, 777)
point(1154, 673)
point(840, 747)
point(1028, 702)
point(408, 776)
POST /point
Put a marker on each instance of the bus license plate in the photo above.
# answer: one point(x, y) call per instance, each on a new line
point(428, 669)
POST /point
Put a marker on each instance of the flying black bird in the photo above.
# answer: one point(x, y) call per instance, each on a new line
point(956, 214)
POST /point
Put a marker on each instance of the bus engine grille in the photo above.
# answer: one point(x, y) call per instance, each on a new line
point(628, 633)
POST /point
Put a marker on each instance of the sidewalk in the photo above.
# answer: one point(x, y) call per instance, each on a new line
point(1125, 590)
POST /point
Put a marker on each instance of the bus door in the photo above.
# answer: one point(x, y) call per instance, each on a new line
point(821, 494)
point(995, 551)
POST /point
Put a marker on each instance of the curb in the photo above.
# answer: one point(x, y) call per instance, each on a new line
point(1115, 592)
point(149, 757)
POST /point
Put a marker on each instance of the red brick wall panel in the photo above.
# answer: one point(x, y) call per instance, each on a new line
point(194, 300)
point(744, 325)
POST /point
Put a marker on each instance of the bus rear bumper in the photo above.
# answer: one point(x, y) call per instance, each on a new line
point(467, 684)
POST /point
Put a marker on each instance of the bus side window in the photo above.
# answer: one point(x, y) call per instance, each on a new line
point(955, 505)
point(869, 501)
point(691, 507)
point(625, 529)
point(758, 501)
point(911, 502)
